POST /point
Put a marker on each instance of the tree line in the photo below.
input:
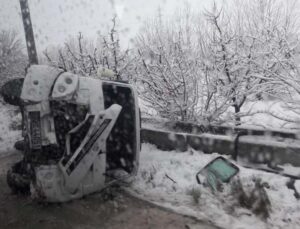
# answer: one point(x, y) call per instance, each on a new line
point(196, 66)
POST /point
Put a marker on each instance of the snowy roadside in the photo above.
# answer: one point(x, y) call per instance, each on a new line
point(254, 115)
point(258, 115)
point(168, 179)
point(10, 118)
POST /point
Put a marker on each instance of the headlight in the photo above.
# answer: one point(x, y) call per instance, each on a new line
point(61, 88)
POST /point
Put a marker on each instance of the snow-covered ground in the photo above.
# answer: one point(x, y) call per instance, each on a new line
point(168, 179)
point(258, 114)
point(9, 119)
point(254, 114)
point(153, 183)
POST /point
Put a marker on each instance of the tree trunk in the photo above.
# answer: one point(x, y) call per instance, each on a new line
point(237, 109)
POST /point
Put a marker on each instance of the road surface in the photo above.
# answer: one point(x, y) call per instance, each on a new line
point(112, 209)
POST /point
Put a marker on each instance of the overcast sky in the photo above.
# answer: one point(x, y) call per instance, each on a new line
point(55, 20)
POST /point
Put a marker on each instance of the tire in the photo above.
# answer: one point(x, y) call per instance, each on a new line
point(18, 179)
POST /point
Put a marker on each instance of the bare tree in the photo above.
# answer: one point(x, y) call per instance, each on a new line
point(229, 58)
point(86, 57)
point(170, 75)
point(78, 55)
point(194, 69)
point(12, 59)
point(272, 26)
point(114, 58)
point(243, 45)
point(179, 69)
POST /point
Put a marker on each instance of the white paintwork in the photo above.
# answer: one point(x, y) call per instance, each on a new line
point(36, 89)
point(52, 182)
point(38, 83)
point(65, 86)
point(90, 93)
point(56, 185)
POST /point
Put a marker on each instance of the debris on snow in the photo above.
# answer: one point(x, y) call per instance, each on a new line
point(269, 202)
point(218, 171)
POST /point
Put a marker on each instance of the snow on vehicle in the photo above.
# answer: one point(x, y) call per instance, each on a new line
point(80, 134)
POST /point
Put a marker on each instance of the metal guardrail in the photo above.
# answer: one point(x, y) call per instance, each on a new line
point(252, 149)
point(187, 127)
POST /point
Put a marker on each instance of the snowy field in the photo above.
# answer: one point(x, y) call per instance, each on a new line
point(10, 120)
point(168, 179)
point(261, 115)
point(255, 114)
